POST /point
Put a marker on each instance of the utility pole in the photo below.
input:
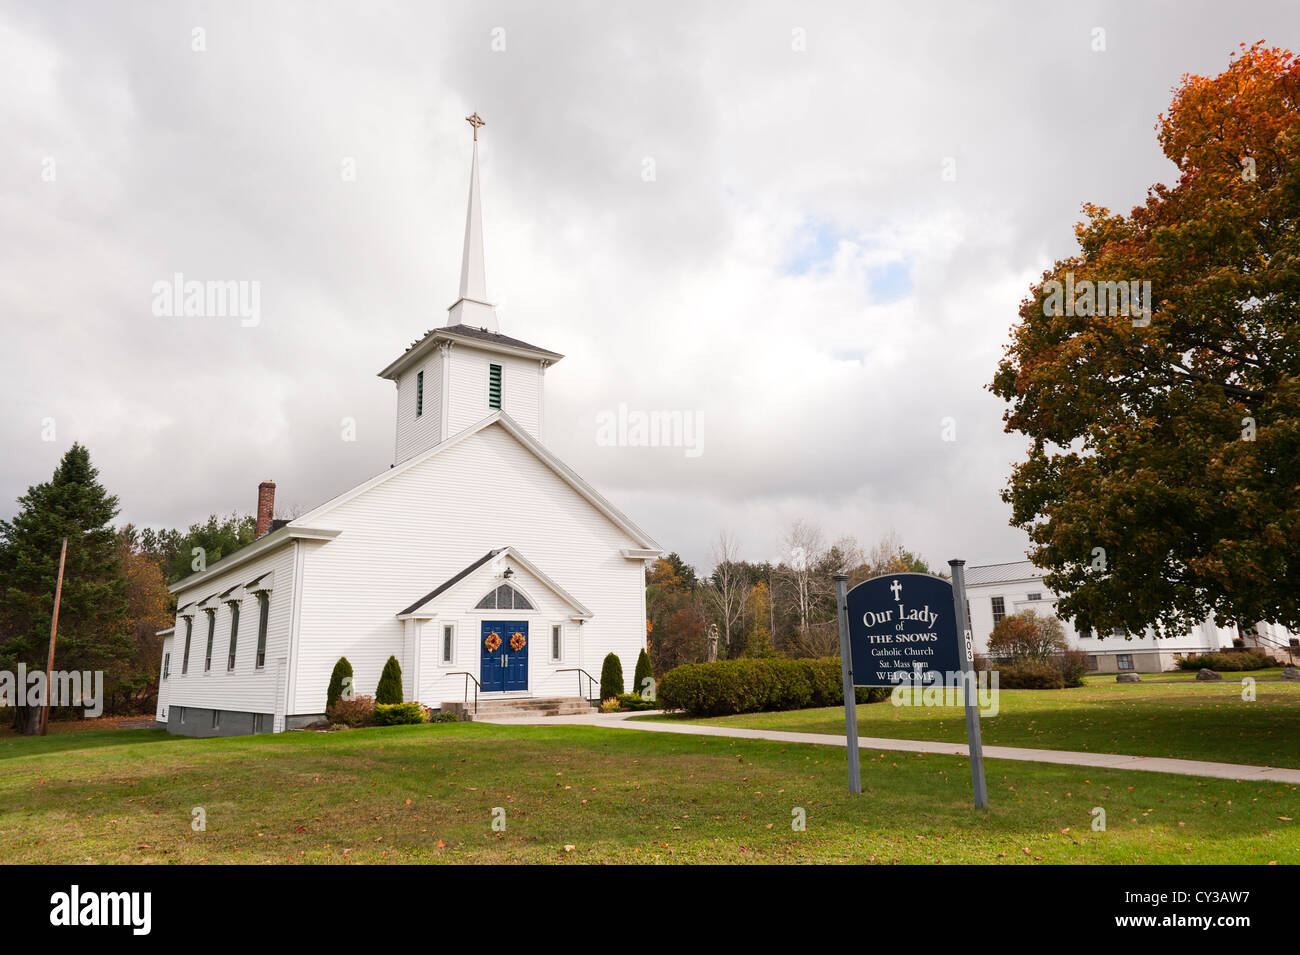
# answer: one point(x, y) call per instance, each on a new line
point(54, 630)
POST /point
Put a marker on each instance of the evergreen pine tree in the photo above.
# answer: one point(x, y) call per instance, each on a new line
point(642, 674)
point(93, 628)
point(390, 683)
point(611, 677)
point(342, 671)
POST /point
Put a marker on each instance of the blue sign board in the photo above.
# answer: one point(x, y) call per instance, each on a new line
point(901, 627)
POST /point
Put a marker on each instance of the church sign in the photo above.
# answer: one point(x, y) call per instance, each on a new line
point(908, 631)
point(902, 630)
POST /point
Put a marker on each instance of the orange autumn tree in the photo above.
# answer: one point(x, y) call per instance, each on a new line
point(1162, 483)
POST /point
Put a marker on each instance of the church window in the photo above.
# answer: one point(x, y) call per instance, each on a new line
point(448, 641)
point(234, 635)
point(494, 386)
point(189, 631)
point(167, 665)
point(263, 612)
point(557, 642)
point(999, 609)
point(503, 597)
point(212, 629)
point(419, 394)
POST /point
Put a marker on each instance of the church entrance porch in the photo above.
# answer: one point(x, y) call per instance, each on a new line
point(503, 656)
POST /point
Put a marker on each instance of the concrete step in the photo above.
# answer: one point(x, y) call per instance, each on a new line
point(489, 709)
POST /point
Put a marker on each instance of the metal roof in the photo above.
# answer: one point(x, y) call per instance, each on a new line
point(1002, 573)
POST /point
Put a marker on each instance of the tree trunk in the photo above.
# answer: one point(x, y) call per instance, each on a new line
point(27, 720)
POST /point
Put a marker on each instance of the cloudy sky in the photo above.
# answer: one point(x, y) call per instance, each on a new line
point(808, 224)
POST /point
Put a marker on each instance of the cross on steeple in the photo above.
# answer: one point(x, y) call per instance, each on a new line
point(475, 120)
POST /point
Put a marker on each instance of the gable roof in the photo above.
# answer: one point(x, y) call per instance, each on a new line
point(579, 610)
point(468, 335)
point(450, 582)
point(585, 490)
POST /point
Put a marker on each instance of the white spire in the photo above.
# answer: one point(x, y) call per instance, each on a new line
point(472, 307)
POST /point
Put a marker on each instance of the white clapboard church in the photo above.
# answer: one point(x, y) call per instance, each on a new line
point(478, 559)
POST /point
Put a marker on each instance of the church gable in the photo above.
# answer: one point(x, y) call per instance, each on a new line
point(498, 473)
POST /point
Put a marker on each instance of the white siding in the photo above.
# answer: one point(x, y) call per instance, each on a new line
point(410, 533)
point(419, 433)
point(1015, 596)
point(521, 389)
point(164, 686)
point(246, 688)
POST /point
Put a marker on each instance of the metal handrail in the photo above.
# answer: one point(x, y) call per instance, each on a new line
point(592, 681)
point(468, 676)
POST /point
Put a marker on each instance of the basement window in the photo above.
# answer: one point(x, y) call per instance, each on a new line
point(1124, 661)
point(494, 386)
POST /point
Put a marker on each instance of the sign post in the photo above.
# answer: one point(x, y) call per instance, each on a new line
point(850, 697)
point(969, 691)
point(909, 630)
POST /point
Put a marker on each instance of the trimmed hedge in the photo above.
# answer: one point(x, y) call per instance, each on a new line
point(1228, 662)
point(1029, 676)
point(611, 677)
point(633, 701)
point(757, 685)
point(390, 683)
point(398, 714)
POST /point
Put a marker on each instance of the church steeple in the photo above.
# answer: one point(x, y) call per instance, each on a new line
point(472, 308)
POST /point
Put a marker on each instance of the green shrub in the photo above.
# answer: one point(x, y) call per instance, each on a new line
point(611, 677)
point(633, 701)
point(398, 714)
point(758, 685)
point(1030, 676)
point(1073, 665)
point(443, 716)
point(1228, 662)
point(342, 671)
point(642, 674)
point(390, 683)
point(358, 711)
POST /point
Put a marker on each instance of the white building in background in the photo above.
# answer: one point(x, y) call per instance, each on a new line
point(995, 590)
point(477, 558)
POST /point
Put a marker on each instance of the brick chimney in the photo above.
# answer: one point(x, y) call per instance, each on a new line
point(265, 506)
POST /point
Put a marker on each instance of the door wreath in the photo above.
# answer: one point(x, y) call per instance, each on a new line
point(517, 641)
point(492, 642)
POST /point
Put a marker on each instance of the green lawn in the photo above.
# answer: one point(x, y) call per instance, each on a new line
point(426, 794)
point(1190, 721)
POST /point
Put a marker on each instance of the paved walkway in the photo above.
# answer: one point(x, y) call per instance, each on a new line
point(1150, 764)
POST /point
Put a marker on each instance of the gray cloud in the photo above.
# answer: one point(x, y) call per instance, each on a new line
point(744, 283)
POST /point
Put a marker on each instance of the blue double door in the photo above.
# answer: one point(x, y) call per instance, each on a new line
point(504, 668)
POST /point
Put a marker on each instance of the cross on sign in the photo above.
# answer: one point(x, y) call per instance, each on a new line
point(897, 588)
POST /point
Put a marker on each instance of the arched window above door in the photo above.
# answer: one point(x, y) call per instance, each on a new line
point(503, 597)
